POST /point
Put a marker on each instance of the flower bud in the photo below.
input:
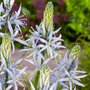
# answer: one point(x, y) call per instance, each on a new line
point(44, 78)
point(8, 4)
point(6, 48)
point(47, 23)
point(74, 52)
point(73, 57)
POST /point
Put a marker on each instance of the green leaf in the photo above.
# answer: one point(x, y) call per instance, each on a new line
point(36, 79)
point(32, 86)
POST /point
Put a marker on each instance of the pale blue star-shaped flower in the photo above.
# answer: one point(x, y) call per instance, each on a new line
point(35, 52)
point(15, 78)
point(36, 34)
point(16, 20)
point(73, 78)
point(66, 77)
point(52, 44)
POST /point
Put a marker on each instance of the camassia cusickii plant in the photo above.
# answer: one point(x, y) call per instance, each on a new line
point(43, 46)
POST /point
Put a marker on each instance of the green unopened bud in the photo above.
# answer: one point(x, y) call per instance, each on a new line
point(8, 3)
point(44, 78)
point(75, 52)
point(73, 57)
point(6, 48)
point(47, 22)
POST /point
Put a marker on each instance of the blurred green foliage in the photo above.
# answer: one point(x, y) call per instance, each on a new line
point(79, 20)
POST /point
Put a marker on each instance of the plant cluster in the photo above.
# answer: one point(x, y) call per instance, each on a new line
point(72, 16)
point(43, 46)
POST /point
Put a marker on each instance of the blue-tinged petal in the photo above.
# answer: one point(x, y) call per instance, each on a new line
point(64, 86)
point(51, 52)
point(57, 46)
point(16, 32)
point(43, 40)
point(1, 8)
point(65, 58)
point(1, 86)
point(44, 48)
point(38, 28)
point(54, 86)
point(54, 32)
point(50, 36)
point(18, 62)
point(64, 79)
point(15, 86)
point(10, 73)
point(67, 73)
point(57, 38)
point(10, 81)
point(47, 60)
point(31, 54)
point(10, 28)
point(77, 83)
point(40, 46)
point(18, 24)
point(77, 71)
point(20, 83)
point(82, 76)
point(32, 86)
point(18, 12)
point(28, 49)
point(20, 41)
point(43, 29)
point(61, 46)
point(30, 39)
point(9, 87)
point(75, 88)
point(70, 84)
point(41, 56)
point(1, 34)
point(13, 47)
point(21, 72)
point(30, 61)
point(13, 17)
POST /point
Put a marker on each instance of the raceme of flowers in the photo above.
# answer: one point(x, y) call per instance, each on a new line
point(43, 46)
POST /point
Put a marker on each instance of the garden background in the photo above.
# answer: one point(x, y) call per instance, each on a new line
point(73, 16)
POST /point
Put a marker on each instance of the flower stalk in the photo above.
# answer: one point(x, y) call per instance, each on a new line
point(6, 54)
point(47, 23)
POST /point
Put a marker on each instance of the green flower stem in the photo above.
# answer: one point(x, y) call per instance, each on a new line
point(6, 25)
point(6, 79)
point(6, 75)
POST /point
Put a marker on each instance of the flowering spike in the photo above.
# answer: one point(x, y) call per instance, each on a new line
point(74, 52)
point(8, 3)
point(73, 57)
point(6, 48)
point(48, 17)
point(44, 78)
